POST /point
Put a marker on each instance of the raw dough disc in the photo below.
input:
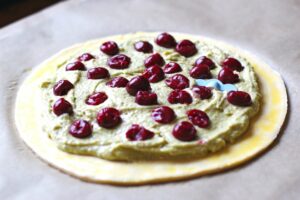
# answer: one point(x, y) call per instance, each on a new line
point(262, 132)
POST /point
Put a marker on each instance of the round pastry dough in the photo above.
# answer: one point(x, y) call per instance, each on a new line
point(263, 129)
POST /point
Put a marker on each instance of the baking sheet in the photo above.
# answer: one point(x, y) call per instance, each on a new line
point(267, 28)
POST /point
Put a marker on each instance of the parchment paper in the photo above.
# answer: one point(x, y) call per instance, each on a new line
point(268, 28)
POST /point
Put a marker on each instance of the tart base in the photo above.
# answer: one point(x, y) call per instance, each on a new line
point(263, 130)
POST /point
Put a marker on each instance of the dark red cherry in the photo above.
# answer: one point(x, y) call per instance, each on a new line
point(180, 96)
point(186, 48)
point(85, 57)
point(226, 75)
point(62, 106)
point(177, 81)
point(202, 92)
point(62, 87)
point(239, 98)
point(233, 64)
point(110, 48)
point(205, 60)
point(165, 40)
point(137, 83)
point(154, 74)
point(146, 98)
point(201, 72)
point(117, 82)
point(75, 66)
point(184, 131)
point(198, 118)
point(109, 117)
point(138, 133)
point(163, 114)
point(119, 61)
point(143, 46)
point(172, 67)
point(96, 98)
point(154, 59)
point(97, 73)
point(80, 129)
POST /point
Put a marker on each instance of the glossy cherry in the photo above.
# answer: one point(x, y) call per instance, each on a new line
point(85, 57)
point(62, 106)
point(110, 48)
point(75, 66)
point(198, 118)
point(172, 67)
point(165, 40)
point(239, 98)
point(97, 73)
point(96, 98)
point(154, 59)
point(186, 48)
point(202, 92)
point(177, 81)
point(62, 87)
point(146, 98)
point(81, 129)
point(226, 75)
point(205, 60)
point(180, 96)
point(201, 71)
point(233, 64)
point(137, 83)
point(143, 46)
point(119, 61)
point(184, 131)
point(109, 117)
point(117, 82)
point(163, 114)
point(154, 74)
point(138, 133)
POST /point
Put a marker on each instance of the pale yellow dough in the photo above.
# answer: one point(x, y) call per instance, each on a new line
point(262, 132)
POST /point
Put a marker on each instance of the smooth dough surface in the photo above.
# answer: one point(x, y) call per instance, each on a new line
point(263, 130)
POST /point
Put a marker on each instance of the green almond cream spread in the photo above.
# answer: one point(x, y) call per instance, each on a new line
point(227, 120)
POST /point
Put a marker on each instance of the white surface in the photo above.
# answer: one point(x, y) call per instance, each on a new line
point(268, 28)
